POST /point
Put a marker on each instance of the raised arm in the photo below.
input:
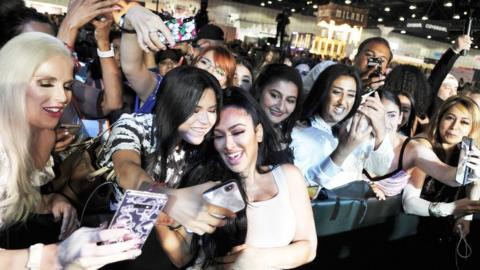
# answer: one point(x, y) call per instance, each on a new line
point(79, 13)
point(146, 26)
point(112, 95)
point(446, 62)
point(140, 78)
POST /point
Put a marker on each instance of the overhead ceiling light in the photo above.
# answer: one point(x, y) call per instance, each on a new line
point(453, 42)
point(476, 46)
point(380, 19)
point(309, 2)
point(315, 6)
point(448, 4)
point(348, 2)
point(465, 13)
point(456, 17)
point(262, 4)
point(429, 37)
point(269, 2)
point(403, 31)
point(412, 7)
point(401, 19)
point(293, 10)
point(413, 15)
point(424, 18)
point(387, 9)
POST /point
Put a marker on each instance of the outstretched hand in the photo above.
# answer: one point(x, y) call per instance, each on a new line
point(188, 208)
point(81, 249)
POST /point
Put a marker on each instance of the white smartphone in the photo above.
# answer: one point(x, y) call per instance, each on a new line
point(226, 195)
point(138, 211)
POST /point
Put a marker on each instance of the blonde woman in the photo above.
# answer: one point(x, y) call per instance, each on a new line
point(439, 203)
point(35, 76)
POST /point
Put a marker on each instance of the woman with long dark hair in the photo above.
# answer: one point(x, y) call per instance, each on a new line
point(276, 230)
point(278, 89)
point(340, 138)
point(151, 151)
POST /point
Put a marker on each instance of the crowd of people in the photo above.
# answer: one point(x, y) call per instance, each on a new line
point(178, 119)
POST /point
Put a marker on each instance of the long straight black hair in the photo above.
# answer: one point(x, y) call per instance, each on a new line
point(318, 96)
point(176, 100)
point(279, 72)
point(211, 167)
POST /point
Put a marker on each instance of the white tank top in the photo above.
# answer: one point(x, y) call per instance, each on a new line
point(271, 223)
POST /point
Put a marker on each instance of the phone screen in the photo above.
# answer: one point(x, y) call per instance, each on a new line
point(226, 195)
point(182, 29)
point(138, 211)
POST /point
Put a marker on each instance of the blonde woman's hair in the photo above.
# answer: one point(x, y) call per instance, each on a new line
point(464, 104)
point(19, 59)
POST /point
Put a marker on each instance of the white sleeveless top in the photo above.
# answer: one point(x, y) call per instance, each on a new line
point(271, 223)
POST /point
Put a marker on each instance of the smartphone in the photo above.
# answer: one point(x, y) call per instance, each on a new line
point(368, 91)
point(72, 128)
point(377, 63)
point(138, 211)
point(463, 171)
point(182, 29)
point(226, 195)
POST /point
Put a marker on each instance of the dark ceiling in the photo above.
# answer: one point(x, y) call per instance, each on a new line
point(391, 11)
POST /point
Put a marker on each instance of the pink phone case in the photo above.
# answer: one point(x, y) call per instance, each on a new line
point(138, 211)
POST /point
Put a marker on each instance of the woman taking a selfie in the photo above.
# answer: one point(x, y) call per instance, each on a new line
point(276, 230)
point(35, 77)
point(151, 151)
point(409, 153)
point(437, 201)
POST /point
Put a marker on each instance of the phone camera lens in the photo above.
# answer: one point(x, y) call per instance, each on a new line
point(228, 188)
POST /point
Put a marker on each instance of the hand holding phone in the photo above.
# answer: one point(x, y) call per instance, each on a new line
point(377, 63)
point(182, 29)
point(226, 195)
point(137, 212)
point(71, 128)
point(463, 171)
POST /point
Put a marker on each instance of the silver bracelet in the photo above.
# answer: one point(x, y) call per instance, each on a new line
point(434, 209)
point(106, 54)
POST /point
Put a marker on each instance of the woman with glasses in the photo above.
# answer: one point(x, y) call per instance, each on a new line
point(220, 62)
